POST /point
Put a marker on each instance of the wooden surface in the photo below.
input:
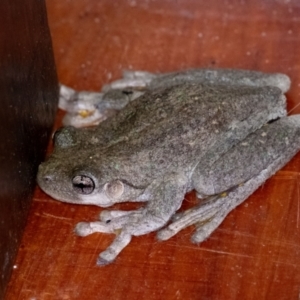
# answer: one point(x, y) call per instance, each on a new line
point(254, 254)
point(29, 94)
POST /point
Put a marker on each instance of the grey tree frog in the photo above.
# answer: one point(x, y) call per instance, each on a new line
point(220, 132)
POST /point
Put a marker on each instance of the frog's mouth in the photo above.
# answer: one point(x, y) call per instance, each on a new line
point(98, 199)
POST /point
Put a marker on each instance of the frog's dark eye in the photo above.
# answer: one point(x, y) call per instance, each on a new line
point(83, 184)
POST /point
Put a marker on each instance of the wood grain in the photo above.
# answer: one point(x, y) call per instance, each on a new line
point(254, 253)
point(28, 96)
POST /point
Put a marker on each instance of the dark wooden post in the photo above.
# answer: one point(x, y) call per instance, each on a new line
point(28, 101)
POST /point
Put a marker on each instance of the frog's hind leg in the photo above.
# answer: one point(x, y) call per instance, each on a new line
point(206, 214)
point(271, 149)
point(133, 80)
point(231, 77)
point(207, 217)
point(142, 80)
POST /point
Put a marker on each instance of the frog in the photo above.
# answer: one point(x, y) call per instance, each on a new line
point(220, 132)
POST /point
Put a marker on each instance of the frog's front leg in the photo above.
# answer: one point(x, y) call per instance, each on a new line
point(166, 196)
point(250, 162)
point(109, 215)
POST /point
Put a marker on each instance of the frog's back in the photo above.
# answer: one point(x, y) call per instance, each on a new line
point(186, 104)
point(178, 125)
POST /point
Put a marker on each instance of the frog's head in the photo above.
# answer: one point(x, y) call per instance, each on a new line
point(74, 174)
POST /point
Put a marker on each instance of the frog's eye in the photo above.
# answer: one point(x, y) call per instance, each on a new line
point(114, 189)
point(83, 184)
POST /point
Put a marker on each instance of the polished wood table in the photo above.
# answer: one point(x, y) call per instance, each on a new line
point(28, 97)
point(254, 254)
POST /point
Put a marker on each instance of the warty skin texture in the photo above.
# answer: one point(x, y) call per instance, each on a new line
point(192, 133)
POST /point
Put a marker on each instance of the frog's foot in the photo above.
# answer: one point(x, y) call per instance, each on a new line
point(75, 102)
point(205, 224)
point(204, 214)
point(132, 224)
point(135, 80)
point(122, 223)
point(120, 242)
point(85, 117)
point(82, 107)
point(86, 108)
point(111, 222)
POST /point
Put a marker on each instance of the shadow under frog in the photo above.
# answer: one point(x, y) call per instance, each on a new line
point(207, 130)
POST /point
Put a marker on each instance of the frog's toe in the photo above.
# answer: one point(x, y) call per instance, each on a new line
point(103, 260)
point(204, 230)
point(165, 234)
point(83, 229)
point(109, 255)
point(105, 216)
point(87, 228)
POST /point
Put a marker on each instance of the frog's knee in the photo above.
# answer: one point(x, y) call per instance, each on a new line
point(282, 81)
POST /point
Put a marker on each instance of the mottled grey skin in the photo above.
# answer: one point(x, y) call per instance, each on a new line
point(90, 108)
point(191, 134)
